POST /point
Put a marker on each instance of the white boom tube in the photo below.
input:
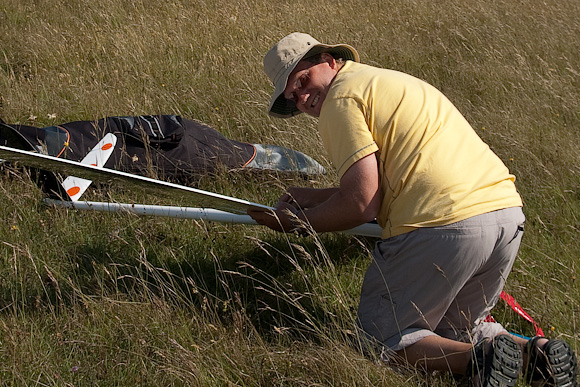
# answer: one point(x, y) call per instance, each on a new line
point(207, 214)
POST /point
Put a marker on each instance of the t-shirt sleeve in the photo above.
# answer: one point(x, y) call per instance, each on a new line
point(345, 132)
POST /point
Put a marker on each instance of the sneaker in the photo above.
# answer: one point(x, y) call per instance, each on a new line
point(495, 362)
point(554, 364)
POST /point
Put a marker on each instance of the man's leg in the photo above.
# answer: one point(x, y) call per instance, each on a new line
point(414, 282)
point(438, 354)
point(415, 279)
point(491, 362)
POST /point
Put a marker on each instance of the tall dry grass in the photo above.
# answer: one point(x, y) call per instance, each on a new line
point(101, 299)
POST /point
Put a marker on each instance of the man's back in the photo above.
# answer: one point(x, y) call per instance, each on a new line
point(434, 168)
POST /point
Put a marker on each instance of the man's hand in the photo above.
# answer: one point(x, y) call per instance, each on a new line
point(283, 218)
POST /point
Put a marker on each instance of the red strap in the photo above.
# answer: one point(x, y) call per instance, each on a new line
point(519, 310)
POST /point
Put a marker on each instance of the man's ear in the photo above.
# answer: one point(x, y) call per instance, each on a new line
point(326, 57)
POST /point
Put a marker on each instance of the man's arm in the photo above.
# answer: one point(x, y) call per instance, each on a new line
point(303, 198)
point(356, 201)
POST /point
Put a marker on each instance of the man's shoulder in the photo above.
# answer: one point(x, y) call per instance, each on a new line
point(354, 76)
point(357, 68)
point(351, 68)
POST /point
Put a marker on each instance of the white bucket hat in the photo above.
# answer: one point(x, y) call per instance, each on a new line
point(281, 60)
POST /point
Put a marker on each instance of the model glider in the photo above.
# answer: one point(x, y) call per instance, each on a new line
point(183, 194)
point(208, 205)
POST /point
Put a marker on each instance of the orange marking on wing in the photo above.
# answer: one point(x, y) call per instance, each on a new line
point(73, 191)
point(107, 146)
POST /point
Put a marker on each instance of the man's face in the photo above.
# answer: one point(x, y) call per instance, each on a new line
point(309, 83)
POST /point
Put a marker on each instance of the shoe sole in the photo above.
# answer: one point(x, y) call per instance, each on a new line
point(563, 364)
point(506, 363)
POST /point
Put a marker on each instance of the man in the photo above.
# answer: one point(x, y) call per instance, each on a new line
point(451, 216)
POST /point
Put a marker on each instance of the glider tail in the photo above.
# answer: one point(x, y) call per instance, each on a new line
point(75, 187)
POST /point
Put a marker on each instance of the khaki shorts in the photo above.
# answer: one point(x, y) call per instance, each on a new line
point(440, 280)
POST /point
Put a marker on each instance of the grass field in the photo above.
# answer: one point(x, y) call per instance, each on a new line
point(118, 300)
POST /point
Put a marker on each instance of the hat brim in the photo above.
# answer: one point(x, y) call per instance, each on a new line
point(281, 107)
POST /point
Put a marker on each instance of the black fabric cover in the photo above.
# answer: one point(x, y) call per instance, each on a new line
point(162, 146)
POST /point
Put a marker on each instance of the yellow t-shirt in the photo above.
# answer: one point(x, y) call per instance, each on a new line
point(434, 169)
